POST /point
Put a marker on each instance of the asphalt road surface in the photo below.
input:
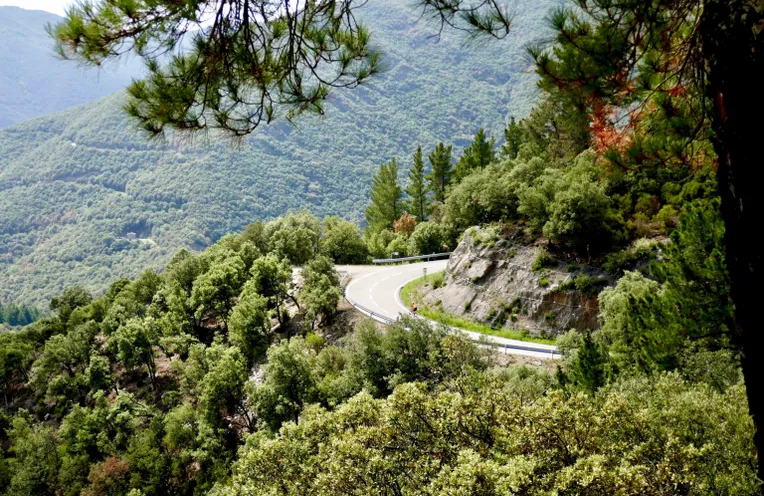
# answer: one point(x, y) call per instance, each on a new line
point(375, 291)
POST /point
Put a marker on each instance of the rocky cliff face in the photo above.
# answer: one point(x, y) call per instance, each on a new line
point(497, 278)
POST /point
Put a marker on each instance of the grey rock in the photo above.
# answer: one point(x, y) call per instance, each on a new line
point(490, 279)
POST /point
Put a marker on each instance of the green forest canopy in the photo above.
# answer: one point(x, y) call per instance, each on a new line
point(75, 183)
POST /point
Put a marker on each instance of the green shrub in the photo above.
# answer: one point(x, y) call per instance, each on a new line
point(314, 341)
point(543, 260)
point(544, 282)
point(589, 286)
point(428, 237)
point(641, 250)
point(438, 280)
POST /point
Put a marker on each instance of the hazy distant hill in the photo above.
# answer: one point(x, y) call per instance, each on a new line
point(73, 184)
point(33, 82)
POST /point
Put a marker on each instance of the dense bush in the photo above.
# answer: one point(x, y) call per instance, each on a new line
point(342, 242)
point(427, 238)
point(500, 434)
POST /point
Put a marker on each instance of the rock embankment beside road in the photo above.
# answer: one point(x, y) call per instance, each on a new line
point(499, 279)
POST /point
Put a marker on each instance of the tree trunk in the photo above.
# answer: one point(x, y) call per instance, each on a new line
point(733, 47)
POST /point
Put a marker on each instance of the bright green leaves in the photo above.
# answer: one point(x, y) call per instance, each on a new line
point(215, 290)
point(249, 326)
point(506, 435)
point(133, 344)
point(289, 384)
point(294, 236)
point(342, 242)
point(320, 293)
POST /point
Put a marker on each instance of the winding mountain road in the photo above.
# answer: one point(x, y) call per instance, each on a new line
point(375, 291)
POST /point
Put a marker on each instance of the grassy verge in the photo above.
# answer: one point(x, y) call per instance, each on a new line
point(412, 291)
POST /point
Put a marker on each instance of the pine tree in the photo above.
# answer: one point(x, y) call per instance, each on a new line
point(386, 197)
point(440, 176)
point(514, 136)
point(418, 204)
point(588, 369)
point(476, 156)
point(249, 63)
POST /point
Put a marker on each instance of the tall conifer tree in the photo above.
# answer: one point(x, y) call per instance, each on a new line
point(417, 189)
point(386, 197)
point(440, 176)
point(476, 156)
point(514, 136)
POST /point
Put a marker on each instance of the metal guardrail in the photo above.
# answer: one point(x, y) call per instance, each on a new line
point(408, 259)
point(371, 313)
point(366, 311)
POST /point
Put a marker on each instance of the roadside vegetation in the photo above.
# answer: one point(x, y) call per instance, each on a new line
point(218, 376)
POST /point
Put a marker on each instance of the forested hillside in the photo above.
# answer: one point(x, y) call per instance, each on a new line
point(230, 372)
point(74, 184)
point(34, 83)
point(188, 382)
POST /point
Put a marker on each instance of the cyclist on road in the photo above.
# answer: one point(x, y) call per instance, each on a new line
point(413, 309)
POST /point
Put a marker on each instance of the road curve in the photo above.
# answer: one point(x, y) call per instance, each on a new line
point(375, 291)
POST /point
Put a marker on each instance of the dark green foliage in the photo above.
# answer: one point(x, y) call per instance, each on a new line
point(504, 432)
point(427, 238)
point(588, 369)
point(417, 189)
point(411, 351)
point(543, 260)
point(695, 275)
point(342, 242)
point(320, 293)
point(386, 197)
point(72, 298)
point(485, 196)
point(244, 68)
point(629, 258)
point(478, 155)
point(657, 324)
point(249, 324)
point(150, 387)
point(18, 315)
point(271, 278)
point(294, 236)
point(440, 171)
point(587, 285)
point(289, 384)
point(514, 136)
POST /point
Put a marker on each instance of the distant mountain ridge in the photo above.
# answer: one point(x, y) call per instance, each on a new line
point(75, 183)
point(34, 83)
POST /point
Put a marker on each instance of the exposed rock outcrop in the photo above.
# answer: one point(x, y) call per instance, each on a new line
point(491, 278)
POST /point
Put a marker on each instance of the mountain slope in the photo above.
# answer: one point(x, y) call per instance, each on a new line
point(33, 82)
point(74, 184)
